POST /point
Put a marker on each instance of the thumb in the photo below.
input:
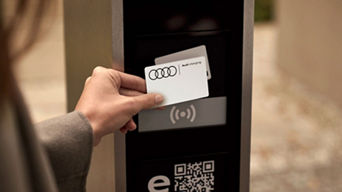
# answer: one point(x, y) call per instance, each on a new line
point(147, 101)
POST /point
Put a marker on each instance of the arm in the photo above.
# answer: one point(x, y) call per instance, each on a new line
point(68, 141)
point(109, 100)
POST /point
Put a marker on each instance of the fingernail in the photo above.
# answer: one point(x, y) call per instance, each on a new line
point(158, 99)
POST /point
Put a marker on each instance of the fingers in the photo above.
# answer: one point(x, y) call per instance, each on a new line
point(123, 130)
point(129, 126)
point(129, 92)
point(99, 69)
point(126, 80)
point(146, 101)
point(87, 80)
point(161, 108)
point(132, 82)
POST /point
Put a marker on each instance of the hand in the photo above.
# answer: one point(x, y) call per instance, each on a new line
point(110, 98)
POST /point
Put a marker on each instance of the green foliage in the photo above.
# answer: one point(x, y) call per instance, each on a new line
point(264, 10)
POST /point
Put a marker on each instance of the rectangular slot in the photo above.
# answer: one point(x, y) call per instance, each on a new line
point(198, 113)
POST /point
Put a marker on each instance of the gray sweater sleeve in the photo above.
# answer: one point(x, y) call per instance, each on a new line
point(68, 142)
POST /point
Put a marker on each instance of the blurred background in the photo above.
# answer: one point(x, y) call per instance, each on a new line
point(296, 126)
point(297, 99)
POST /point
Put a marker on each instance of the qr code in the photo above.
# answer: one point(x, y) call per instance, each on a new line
point(194, 177)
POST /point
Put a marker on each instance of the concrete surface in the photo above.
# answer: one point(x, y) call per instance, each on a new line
point(296, 133)
point(310, 44)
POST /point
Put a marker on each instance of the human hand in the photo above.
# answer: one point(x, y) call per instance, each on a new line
point(110, 98)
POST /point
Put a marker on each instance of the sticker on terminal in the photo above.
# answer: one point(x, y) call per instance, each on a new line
point(199, 51)
point(178, 81)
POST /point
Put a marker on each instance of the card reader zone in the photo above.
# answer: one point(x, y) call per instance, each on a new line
point(198, 113)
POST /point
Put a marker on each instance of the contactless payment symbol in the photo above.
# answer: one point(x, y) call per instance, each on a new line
point(189, 114)
point(161, 73)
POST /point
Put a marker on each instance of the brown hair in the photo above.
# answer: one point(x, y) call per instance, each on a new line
point(9, 28)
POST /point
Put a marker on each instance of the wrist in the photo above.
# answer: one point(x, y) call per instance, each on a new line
point(97, 135)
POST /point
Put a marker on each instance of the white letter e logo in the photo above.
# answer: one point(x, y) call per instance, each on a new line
point(159, 181)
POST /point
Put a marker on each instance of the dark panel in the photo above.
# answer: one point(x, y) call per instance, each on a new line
point(206, 171)
point(142, 50)
point(156, 16)
point(156, 28)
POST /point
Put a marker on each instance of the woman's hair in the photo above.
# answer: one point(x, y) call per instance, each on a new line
point(24, 12)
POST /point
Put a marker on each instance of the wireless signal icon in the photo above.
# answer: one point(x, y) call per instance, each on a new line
point(189, 113)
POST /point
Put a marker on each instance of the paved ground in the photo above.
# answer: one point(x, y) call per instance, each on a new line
point(296, 135)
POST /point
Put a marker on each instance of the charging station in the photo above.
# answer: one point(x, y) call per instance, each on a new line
point(201, 145)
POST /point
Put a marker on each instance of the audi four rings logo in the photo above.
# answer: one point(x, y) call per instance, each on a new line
point(161, 73)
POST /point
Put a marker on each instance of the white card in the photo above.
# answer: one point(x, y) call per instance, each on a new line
point(178, 81)
point(186, 54)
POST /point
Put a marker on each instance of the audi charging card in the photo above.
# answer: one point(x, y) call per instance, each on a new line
point(186, 54)
point(178, 81)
